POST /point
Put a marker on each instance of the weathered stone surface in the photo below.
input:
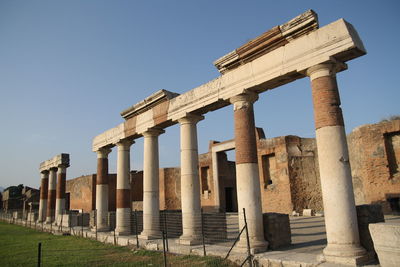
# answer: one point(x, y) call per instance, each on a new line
point(374, 154)
point(277, 229)
point(367, 214)
point(61, 159)
point(386, 238)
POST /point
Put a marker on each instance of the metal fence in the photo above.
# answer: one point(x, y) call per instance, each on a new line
point(213, 230)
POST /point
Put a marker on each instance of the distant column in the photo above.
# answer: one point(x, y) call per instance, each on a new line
point(151, 199)
point(190, 184)
point(51, 196)
point(44, 184)
point(247, 176)
point(124, 205)
point(333, 157)
point(102, 190)
point(60, 196)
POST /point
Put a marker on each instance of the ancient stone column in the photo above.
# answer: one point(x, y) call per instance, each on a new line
point(336, 183)
point(51, 196)
point(190, 184)
point(247, 176)
point(151, 200)
point(102, 189)
point(123, 203)
point(60, 196)
point(43, 195)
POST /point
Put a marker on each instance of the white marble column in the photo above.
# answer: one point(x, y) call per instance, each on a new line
point(123, 203)
point(102, 189)
point(151, 200)
point(60, 194)
point(43, 195)
point(247, 176)
point(190, 184)
point(333, 157)
point(51, 196)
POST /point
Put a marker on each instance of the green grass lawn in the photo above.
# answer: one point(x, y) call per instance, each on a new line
point(19, 247)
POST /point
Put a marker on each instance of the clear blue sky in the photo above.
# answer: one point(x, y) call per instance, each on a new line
point(68, 68)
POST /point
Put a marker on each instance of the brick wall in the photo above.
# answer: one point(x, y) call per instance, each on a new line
point(374, 157)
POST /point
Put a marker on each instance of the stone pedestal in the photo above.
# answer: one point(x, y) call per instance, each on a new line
point(123, 199)
point(386, 237)
point(190, 184)
point(102, 190)
point(43, 196)
point(247, 176)
point(336, 183)
point(151, 209)
point(51, 196)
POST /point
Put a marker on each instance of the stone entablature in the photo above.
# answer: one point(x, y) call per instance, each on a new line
point(274, 38)
point(61, 159)
point(338, 42)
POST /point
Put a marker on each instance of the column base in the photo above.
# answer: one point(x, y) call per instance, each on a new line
point(101, 229)
point(122, 232)
point(149, 235)
point(255, 246)
point(190, 240)
point(346, 254)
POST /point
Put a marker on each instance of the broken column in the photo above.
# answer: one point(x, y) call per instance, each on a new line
point(190, 184)
point(43, 195)
point(102, 189)
point(247, 176)
point(51, 195)
point(336, 183)
point(123, 201)
point(151, 206)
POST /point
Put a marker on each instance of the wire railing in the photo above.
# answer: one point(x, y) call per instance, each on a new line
point(169, 229)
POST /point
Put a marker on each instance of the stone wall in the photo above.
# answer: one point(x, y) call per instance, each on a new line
point(374, 157)
point(81, 191)
point(170, 189)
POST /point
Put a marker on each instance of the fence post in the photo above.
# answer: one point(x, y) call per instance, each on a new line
point(248, 239)
point(51, 226)
point(82, 222)
point(165, 254)
point(136, 229)
point(115, 240)
point(166, 229)
point(202, 232)
point(39, 254)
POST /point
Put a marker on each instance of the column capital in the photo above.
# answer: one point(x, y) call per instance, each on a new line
point(243, 100)
point(329, 68)
point(190, 119)
point(125, 144)
point(153, 132)
point(103, 152)
point(62, 168)
point(45, 173)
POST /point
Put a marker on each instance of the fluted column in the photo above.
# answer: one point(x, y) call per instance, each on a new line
point(51, 196)
point(247, 176)
point(333, 157)
point(102, 189)
point(190, 184)
point(44, 184)
point(151, 200)
point(60, 195)
point(124, 205)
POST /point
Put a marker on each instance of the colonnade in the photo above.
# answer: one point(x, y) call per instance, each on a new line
point(336, 182)
point(52, 188)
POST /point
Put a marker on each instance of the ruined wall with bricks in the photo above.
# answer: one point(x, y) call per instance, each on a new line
point(82, 192)
point(289, 176)
point(374, 157)
point(170, 189)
